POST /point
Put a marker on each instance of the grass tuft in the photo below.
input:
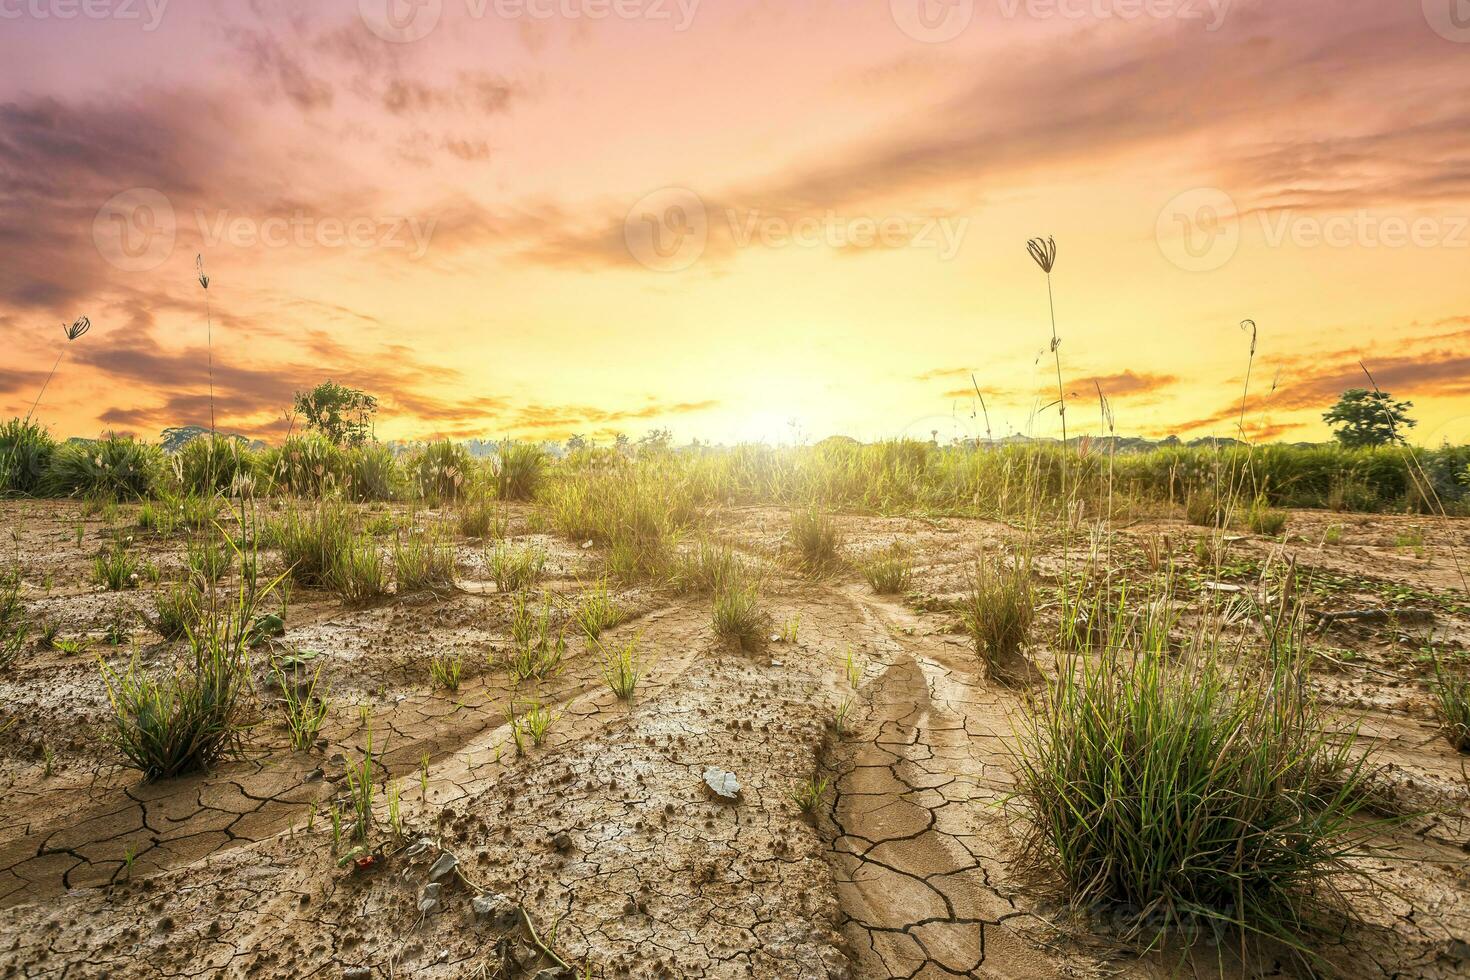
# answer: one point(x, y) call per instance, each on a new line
point(1181, 796)
point(999, 608)
point(817, 541)
point(889, 571)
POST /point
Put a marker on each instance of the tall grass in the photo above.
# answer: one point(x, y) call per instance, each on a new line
point(1181, 795)
point(816, 541)
point(519, 467)
point(999, 608)
point(14, 628)
point(25, 454)
point(737, 615)
point(636, 510)
point(186, 720)
point(423, 561)
point(212, 464)
point(1450, 689)
point(890, 570)
point(115, 467)
point(537, 643)
point(441, 471)
point(322, 547)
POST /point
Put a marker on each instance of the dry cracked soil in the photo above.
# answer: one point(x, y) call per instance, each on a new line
point(604, 847)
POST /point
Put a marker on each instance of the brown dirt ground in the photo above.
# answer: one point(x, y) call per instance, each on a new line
point(606, 835)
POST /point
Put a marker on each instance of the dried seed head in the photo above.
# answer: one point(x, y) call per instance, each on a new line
point(199, 265)
point(81, 326)
point(1044, 251)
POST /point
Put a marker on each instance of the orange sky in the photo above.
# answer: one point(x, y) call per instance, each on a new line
point(734, 219)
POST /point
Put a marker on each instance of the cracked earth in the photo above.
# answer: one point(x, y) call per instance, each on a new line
point(606, 835)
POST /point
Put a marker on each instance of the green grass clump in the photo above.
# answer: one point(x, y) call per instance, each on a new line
point(25, 454)
point(213, 464)
point(322, 548)
point(304, 708)
point(889, 571)
point(519, 468)
point(1451, 692)
point(514, 568)
point(999, 608)
point(596, 610)
point(371, 472)
point(306, 466)
point(423, 561)
point(809, 794)
point(1204, 508)
point(1181, 795)
point(178, 609)
point(445, 670)
point(209, 559)
point(621, 669)
point(115, 468)
point(707, 567)
point(14, 627)
point(357, 573)
point(441, 471)
point(817, 541)
point(636, 511)
point(187, 720)
point(737, 614)
point(537, 646)
point(481, 517)
point(116, 568)
point(1264, 519)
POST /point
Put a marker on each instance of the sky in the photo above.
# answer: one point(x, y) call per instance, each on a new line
point(736, 219)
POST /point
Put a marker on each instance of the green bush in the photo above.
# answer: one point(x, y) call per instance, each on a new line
point(25, 454)
point(116, 467)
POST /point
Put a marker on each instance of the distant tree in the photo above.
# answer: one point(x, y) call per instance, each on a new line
point(342, 414)
point(656, 441)
point(577, 443)
point(1369, 418)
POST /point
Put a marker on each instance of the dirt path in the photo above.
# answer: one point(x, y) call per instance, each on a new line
point(912, 837)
